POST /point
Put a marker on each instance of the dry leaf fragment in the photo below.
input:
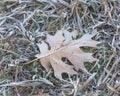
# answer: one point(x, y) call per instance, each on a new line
point(63, 45)
point(42, 94)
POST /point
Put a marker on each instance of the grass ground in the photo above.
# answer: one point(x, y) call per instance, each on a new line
point(24, 23)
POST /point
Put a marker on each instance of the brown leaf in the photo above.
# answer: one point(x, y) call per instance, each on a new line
point(62, 44)
point(106, 6)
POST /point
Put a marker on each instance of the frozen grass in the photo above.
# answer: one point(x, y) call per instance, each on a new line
point(24, 23)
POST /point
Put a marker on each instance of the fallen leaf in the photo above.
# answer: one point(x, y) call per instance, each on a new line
point(64, 45)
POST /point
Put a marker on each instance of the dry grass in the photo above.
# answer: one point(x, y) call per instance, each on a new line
point(23, 24)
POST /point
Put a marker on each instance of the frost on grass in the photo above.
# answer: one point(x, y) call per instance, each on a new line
point(64, 45)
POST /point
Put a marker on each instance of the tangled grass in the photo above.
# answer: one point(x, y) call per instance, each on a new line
point(24, 23)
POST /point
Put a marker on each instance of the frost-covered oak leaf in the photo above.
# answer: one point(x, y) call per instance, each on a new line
point(64, 45)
